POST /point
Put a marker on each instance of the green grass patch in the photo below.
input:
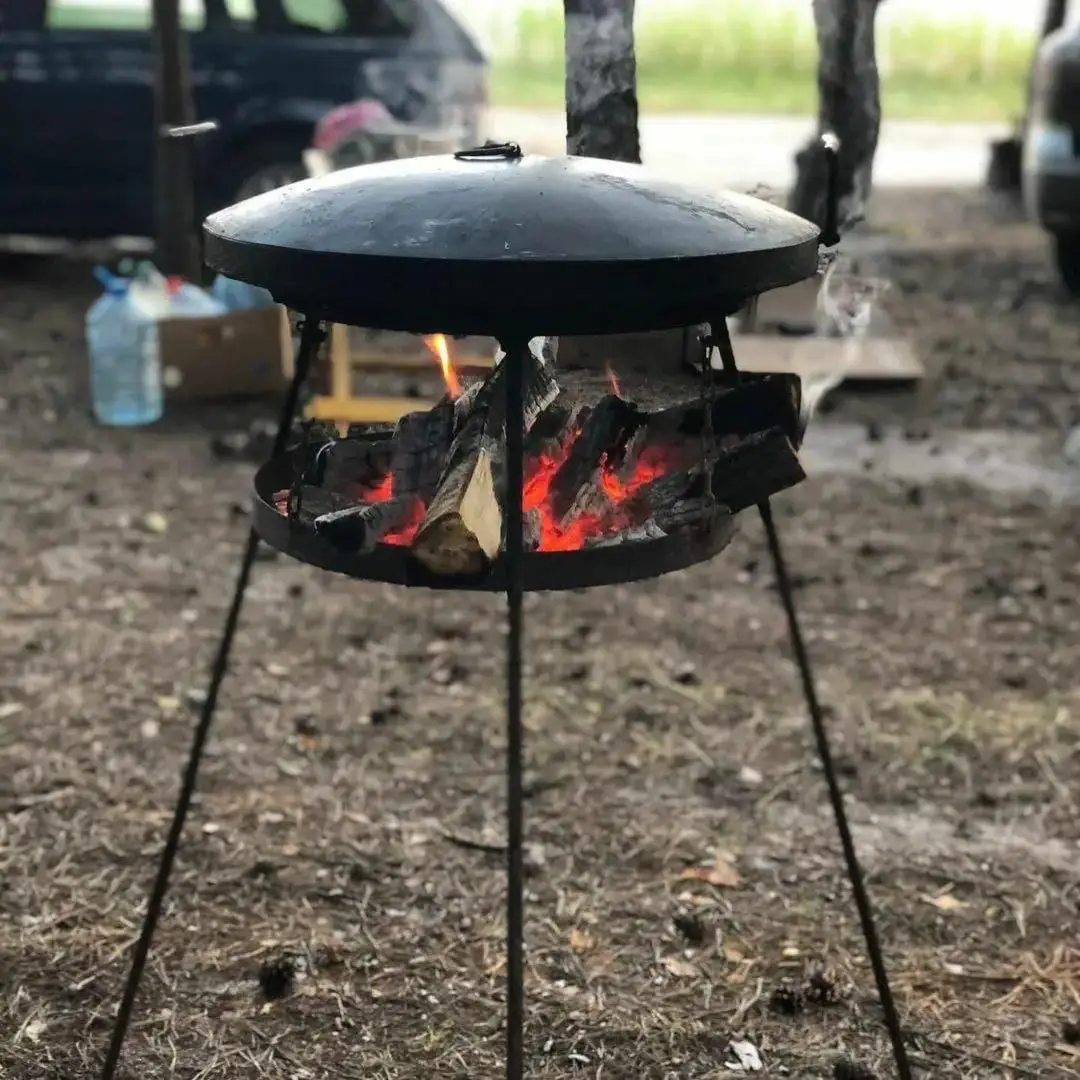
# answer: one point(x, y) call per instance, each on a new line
point(731, 57)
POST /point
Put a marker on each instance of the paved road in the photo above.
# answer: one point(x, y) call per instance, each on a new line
point(744, 151)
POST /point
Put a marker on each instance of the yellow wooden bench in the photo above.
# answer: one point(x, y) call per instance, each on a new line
point(345, 364)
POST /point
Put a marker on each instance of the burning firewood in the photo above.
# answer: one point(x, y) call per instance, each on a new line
point(420, 444)
point(461, 531)
point(604, 436)
point(359, 528)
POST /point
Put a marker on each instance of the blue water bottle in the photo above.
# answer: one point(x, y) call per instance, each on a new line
point(125, 364)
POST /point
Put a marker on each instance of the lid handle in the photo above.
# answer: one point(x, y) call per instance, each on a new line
point(508, 151)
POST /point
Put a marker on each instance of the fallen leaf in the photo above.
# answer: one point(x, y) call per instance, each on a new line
point(945, 902)
point(168, 703)
point(580, 941)
point(790, 952)
point(10, 708)
point(277, 670)
point(211, 827)
point(747, 1058)
point(733, 953)
point(721, 874)
point(681, 969)
point(155, 522)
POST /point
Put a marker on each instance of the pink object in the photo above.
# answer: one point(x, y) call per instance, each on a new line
point(345, 120)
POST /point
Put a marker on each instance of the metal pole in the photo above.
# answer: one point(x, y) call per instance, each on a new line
point(309, 342)
point(174, 182)
point(515, 799)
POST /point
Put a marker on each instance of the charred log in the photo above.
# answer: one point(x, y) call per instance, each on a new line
point(423, 441)
point(638, 534)
point(605, 434)
point(743, 409)
point(762, 466)
point(359, 528)
point(461, 531)
point(347, 464)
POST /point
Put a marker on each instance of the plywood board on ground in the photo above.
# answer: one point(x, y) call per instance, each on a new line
point(876, 359)
point(795, 305)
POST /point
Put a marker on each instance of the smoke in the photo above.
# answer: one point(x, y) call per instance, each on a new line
point(847, 302)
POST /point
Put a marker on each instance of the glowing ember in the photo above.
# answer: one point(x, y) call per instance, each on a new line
point(383, 491)
point(554, 535)
point(440, 349)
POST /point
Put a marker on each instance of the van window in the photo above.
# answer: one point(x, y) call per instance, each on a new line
point(364, 18)
point(22, 15)
point(117, 14)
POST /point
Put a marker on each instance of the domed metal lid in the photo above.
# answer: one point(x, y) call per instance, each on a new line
point(492, 241)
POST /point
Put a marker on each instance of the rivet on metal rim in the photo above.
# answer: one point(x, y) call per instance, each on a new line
point(509, 151)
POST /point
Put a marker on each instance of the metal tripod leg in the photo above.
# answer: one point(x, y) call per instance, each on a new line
point(516, 353)
point(721, 339)
point(309, 341)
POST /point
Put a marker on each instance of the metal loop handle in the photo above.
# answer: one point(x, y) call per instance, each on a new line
point(509, 151)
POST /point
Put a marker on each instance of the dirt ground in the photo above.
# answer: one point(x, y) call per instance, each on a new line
point(348, 826)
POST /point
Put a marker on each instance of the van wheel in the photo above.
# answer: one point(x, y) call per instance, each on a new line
point(1067, 258)
point(265, 165)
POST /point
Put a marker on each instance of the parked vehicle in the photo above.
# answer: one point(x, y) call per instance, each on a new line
point(1051, 154)
point(76, 95)
point(364, 132)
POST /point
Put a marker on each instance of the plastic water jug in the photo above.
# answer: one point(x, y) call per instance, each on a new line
point(125, 362)
point(238, 295)
point(189, 301)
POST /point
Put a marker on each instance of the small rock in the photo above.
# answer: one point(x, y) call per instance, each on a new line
point(535, 859)
point(383, 714)
point(750, 776)
point(305, 727)
point(686, 675)
point(155, 523)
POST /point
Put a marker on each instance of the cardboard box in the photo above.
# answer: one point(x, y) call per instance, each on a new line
point(242, 354)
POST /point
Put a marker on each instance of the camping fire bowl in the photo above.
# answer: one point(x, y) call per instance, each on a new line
point(605, 444)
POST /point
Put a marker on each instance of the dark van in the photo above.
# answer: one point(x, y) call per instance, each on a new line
point(76, 97)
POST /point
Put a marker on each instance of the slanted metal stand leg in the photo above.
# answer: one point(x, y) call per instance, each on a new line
point(516, 355)
point(722, 341)
point(310, 336)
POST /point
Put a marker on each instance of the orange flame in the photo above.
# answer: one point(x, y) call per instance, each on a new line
point(613, 381)
point(440, 349)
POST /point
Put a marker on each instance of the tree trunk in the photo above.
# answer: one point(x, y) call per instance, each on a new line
point(601, 80)
point(849, 104)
